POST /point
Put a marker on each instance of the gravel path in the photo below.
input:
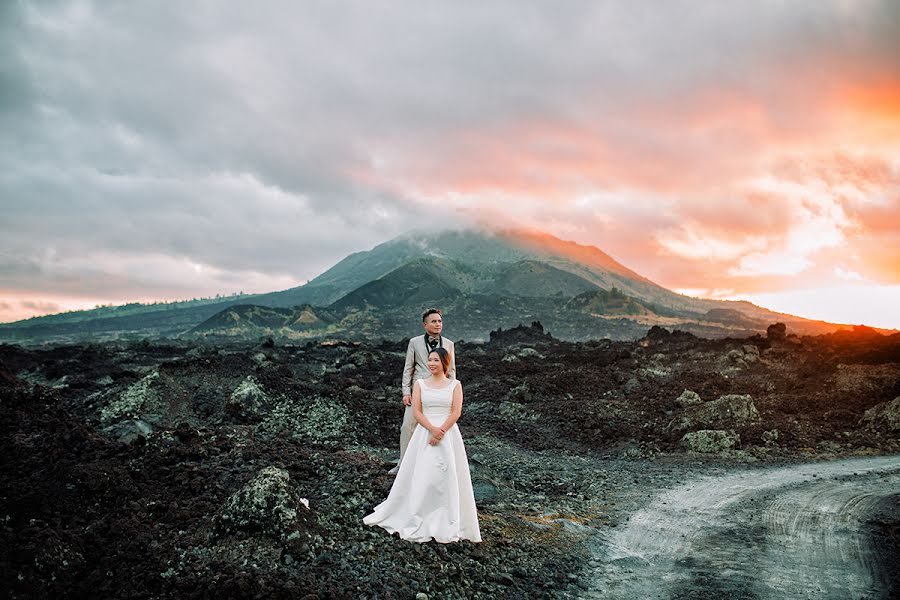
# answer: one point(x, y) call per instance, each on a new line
point(789, 532)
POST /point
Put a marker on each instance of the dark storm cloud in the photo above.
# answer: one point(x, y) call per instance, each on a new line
point(143, 137)
point(271, 139)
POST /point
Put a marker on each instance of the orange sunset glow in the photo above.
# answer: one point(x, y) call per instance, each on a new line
point(720, 196)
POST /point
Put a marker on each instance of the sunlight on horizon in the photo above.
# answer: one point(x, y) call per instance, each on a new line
point(18, 306)
point(840, 305)
point(878, 304)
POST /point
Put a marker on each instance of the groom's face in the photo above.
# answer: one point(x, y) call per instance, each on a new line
point(433, 324)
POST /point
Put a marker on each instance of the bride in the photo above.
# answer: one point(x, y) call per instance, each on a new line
point(432, 495)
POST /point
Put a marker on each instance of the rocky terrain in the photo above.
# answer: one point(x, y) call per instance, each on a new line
point(174, 469)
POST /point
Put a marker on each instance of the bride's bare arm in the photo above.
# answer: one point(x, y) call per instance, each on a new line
point(417, 409)
point(455, 409)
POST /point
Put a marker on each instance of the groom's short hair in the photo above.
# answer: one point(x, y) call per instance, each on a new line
point(431, 311)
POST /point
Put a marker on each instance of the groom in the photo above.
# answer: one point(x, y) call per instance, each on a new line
point(416, 367)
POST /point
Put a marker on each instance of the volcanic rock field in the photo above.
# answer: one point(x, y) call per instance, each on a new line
point(184, 469)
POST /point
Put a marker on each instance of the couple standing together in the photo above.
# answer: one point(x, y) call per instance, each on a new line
point(432, 495)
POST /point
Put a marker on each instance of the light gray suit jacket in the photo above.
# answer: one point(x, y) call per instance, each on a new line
point(416, 366)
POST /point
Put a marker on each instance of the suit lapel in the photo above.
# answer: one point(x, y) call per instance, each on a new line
point(427, 347)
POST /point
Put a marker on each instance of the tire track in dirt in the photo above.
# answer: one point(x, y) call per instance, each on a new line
point(787, 532)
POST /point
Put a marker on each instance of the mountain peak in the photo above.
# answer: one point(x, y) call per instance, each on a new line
point(543, 242)
point(492, 276)
point(488, 246)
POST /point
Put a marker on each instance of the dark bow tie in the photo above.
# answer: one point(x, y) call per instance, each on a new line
point(434, 341)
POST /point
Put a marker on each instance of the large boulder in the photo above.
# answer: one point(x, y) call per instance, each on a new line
point(751, 352)
point(883, 417)
point(739, 358)
point(731, 410)
point(710, 440)
point(267, 505)
point(142, 400)
point(776, 332)
point(657, 334)
point(520, 335)
point(688, 398)
point(129, 431)
point(248, 402)
point(528, 352)
point(771, 437)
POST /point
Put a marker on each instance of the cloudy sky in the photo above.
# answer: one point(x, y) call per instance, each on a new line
point(164, 150)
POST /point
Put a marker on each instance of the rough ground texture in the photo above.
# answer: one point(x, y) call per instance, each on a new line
point(774, 533)
point(172, 469)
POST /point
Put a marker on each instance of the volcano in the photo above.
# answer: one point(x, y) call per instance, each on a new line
point(483, 280)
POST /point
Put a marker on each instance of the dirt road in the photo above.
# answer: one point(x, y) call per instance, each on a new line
point(788, 532)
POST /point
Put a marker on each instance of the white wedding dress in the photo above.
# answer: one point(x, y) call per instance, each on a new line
point(432, 495)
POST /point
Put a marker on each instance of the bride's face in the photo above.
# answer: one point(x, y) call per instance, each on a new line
point(434, 364)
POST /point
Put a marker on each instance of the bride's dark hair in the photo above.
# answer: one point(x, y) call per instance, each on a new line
point(444, 356)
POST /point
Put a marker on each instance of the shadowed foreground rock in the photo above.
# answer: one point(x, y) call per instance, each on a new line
point(268, 504)
point(884, 417)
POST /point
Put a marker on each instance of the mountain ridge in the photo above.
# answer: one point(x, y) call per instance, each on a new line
point(484, 275)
